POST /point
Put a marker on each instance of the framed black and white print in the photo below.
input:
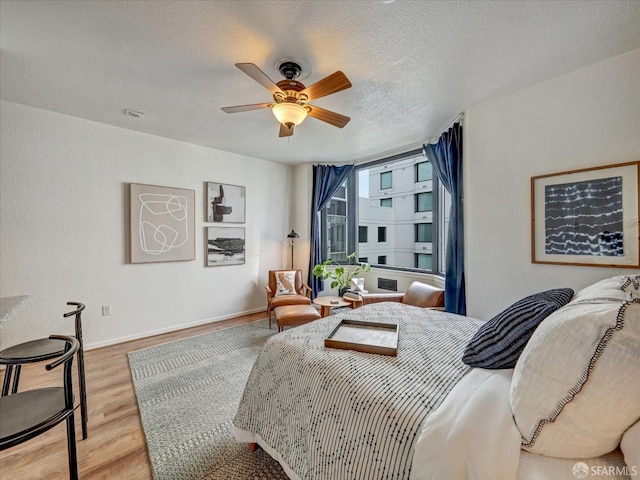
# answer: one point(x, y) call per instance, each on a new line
point(225, 246)
point(587, 217)
point(224, 203)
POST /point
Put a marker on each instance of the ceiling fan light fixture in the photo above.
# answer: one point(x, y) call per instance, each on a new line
point(289, 113)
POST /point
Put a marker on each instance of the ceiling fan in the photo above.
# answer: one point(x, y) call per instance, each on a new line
point(290, 105)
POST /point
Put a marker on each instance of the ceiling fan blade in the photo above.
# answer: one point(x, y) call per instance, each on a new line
point(328, 116)
point(285, 131)
point(328, 85)
point(246, 108)
point(259, 76)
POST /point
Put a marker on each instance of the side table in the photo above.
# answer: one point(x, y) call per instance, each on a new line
point(327, 303)
point(355, 302)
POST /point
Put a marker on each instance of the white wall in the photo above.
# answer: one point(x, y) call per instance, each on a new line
point(301, 218)
point(63, 228)
point(587, 118)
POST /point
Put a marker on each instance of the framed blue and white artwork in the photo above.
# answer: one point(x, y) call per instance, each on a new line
point(587, 217)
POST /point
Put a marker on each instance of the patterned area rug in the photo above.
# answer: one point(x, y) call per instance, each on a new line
point(188, 392)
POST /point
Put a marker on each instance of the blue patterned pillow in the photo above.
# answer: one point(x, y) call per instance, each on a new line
point(499, 342)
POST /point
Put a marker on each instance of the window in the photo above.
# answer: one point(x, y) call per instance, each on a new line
point(424, 232)
point(423, 261)
point(335, 214)
point(424, 202)
point(400, 244)
point(386, 180)
point(363, 259)
point(362, 234)
point(423, 171)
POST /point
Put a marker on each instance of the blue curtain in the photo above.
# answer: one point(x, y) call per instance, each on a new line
point(446, 159)
point(326, 181)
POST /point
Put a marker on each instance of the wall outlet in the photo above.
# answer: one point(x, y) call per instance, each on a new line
point(106, 310)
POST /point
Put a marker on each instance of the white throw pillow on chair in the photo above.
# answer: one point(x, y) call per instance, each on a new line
point(285, 283)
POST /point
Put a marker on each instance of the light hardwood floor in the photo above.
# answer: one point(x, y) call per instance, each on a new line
point(115, 448)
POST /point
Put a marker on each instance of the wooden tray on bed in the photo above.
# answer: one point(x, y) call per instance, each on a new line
point(369, 337)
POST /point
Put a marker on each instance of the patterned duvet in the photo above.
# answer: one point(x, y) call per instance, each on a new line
point(340, 414)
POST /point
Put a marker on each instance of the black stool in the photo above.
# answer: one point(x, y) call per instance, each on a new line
point(26, 415)
point(46, 349)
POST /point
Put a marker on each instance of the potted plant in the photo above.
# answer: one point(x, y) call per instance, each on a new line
point(341, 275)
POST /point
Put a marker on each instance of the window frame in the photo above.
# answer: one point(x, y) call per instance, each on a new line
point(349, 232)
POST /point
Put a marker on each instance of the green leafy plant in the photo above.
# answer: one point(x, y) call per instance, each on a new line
point(341, 275)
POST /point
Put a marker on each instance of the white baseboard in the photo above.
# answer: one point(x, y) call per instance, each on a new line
point(172, 328)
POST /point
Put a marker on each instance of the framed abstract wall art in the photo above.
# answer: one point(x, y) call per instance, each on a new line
point(162, 223)
point(587, 217)
point(225, 246)
point(224, 203)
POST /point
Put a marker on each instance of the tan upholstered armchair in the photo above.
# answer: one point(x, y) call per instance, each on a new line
point(419, 294)
point(302, 295)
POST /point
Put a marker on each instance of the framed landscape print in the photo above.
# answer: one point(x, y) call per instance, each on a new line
point(162, 223)
point(587, 217)
point(224, 203)
point(225, 246)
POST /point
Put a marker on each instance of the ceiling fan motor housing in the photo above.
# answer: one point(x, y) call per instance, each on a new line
point(290, 70)
point(290, 92)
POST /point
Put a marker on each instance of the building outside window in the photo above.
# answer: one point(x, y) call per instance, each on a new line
point(424, 232)
point(424, 172)
point(424, 202)
point(362, 234)
point(411, 219)
point(363, 259)
point(336, 226)
point(386, 180)
point(424, 261)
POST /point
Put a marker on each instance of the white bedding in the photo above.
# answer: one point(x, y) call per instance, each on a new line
point(472, 436)
point(345, 415)
point(303, 408)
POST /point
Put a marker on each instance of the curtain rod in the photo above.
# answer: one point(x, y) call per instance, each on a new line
point(451, 124)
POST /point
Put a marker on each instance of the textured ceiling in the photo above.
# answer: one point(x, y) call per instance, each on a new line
point(414, 65)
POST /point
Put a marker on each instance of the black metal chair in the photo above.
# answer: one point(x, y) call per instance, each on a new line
point(27, 414)
point(46, 349)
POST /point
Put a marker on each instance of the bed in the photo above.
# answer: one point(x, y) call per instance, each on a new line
point(339, 414)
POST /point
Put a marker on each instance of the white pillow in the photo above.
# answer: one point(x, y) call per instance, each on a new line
point(576, 386)
point(630, 446)
point(609, 288)
point(285, 283)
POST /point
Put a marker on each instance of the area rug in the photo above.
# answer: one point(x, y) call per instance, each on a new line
point(188, 392)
